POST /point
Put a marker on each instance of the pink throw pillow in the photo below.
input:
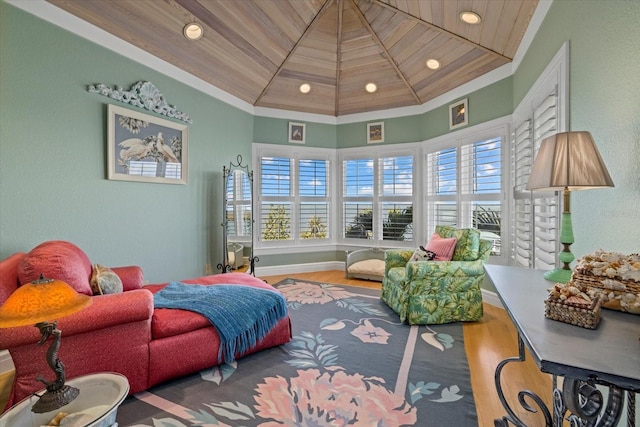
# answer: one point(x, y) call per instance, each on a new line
point(58, 260)
point(443, 248)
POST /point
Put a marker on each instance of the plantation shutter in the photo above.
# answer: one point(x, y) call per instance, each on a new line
point(313, 175)
point(480, 199)
point(536, 213)
point(357, 195)
point(522, 159)
point(442, 188)
point(396, 197)
point(545, 203)
point(275, 182)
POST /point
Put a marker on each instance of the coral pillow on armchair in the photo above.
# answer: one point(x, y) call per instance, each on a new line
point(443, 248)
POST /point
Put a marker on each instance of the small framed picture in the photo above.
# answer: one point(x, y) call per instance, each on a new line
point(296, 132)
point(375, 132)
point(458, 114)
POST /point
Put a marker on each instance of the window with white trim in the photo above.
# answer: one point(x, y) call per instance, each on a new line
point(294, 203)
point(378, 196)
point(464, 185)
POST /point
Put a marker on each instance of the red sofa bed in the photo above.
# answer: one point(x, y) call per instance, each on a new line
point(119, 332)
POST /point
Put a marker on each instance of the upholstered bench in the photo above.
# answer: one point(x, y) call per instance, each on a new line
point(367, 264)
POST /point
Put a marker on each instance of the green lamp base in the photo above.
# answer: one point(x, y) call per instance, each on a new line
point(559, 275)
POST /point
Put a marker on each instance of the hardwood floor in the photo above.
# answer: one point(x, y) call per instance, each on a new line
point(487, 343)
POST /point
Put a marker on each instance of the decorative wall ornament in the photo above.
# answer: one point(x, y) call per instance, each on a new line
point(142, 94)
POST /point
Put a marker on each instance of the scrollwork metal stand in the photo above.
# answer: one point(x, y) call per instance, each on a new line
point(511, 416)
point(252, 264)
point(227, 172)
point(224, 268)
point(581, 402)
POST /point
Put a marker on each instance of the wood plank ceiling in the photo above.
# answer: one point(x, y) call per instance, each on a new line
point(261, 51)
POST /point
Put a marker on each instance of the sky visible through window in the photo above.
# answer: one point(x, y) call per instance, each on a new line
point(276, 177)
point(359, 179)
point(485, 165)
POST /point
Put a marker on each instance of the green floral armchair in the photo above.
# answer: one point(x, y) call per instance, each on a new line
point(434, 292)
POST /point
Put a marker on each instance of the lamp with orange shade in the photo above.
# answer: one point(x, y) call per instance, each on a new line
point(39, 302)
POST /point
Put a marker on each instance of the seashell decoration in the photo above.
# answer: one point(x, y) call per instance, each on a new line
point(142, 94)
point(618, 279)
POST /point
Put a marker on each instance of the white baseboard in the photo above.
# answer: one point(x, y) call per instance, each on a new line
point(299, 268)
point(491, 298)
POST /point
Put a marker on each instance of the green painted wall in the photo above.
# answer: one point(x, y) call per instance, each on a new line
point(274, 131)
point(604, 39)
point(53, 157)
point(300, 258)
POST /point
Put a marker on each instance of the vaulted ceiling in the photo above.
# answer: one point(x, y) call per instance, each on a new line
point(262, 51)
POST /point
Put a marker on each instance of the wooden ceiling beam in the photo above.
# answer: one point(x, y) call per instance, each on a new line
point(307, 30)
point(442, 30)
point(386, 52)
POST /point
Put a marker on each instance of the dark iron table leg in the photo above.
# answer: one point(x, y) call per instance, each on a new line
point(523, 396)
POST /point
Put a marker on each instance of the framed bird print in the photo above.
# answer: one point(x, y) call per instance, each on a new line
point(145, 148)
point(458, 114)
point(375, 132)
point(296, 133)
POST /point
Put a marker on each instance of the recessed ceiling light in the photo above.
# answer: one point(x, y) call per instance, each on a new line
point(434, 64)
point(470, 17)
point(371, 87)
point(192, 31)
point(305, 88)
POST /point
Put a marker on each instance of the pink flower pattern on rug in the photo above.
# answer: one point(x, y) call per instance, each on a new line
point(315, 398)
point(308, 293)
point(371, 334)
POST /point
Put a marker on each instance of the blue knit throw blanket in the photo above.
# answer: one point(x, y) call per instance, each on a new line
point(242, 315)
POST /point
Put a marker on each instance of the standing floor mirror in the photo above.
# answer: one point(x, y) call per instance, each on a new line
point(237, 222)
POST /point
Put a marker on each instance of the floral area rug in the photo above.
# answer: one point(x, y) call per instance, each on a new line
point(350, 363)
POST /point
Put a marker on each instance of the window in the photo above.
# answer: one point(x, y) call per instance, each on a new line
point(276, 198)
point(294, 201)
point(464, 185)
point(377, 197)
point(357, 198)
point(313, 195)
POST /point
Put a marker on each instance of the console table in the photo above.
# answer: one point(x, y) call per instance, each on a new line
point(607, 356)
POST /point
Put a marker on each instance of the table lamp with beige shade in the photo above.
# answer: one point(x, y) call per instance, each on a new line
point(566, 162)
